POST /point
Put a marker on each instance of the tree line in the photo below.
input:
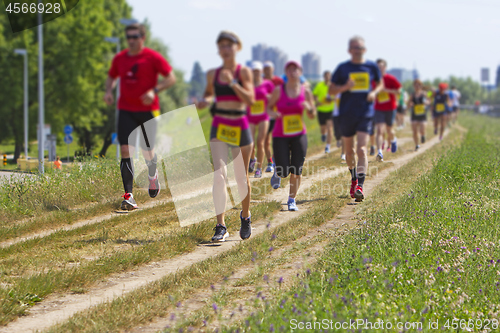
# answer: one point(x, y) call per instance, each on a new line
point(76, 62)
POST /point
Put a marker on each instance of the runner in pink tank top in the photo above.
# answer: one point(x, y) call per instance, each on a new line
point(289, 134)
point(258, 117)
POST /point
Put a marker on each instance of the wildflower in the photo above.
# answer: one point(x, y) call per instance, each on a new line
point(214, 306)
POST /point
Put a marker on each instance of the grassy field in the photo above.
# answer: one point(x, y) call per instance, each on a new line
point(74, 261)
point(425, 259)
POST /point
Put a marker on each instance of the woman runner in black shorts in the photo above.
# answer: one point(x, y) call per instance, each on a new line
point(232, 86)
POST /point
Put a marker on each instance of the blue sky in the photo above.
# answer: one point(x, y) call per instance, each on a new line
point(440, 37)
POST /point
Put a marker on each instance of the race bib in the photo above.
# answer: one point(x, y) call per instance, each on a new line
point(440, 107)
point(419, 109)
point(292, 124)
point(257, 108)
point(229, 134)
point(361, 81)
point(383, 97)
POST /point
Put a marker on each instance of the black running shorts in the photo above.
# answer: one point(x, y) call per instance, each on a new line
point(289, 154)
point(129, 121)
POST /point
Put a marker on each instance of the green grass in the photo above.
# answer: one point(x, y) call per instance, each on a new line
point(430, 255)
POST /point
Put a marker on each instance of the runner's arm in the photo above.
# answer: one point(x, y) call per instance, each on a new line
point(392, 91)
point(311, 111)
point(273, 99)
point(409, 102)
point(378, 88)
point(208, 95)
point(336, 89)
point(167, 82)
point(246, 91)
point(108, 96)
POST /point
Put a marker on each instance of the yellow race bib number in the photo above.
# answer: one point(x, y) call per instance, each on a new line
point(257, 108)
point(419, 109)
point(292, 124)
point(383, 97)
point(440, 108)
point(229, 134)
point(361, 81)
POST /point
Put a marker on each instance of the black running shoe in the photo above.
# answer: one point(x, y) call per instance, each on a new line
point(154, 185)
point(246, 227)
point(251, 166)
point(372, 150)
point(220, 233)
point(128, 202)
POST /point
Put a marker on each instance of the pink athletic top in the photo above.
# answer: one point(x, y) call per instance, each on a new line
point(223, 92)
point(290, 123)
point(257, 112)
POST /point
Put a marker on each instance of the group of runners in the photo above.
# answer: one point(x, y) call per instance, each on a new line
point(251, 107)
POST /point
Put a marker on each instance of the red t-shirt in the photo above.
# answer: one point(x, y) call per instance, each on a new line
point(277, 81)
point(138, 74)
point(386, 101)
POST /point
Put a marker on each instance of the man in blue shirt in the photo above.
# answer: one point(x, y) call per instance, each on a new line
point(358, 81)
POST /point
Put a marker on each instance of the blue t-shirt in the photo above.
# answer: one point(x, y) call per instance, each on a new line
point(354, 102)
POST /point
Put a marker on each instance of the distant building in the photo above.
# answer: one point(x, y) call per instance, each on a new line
point(311, 66)
point(497, 82)
point(402, 74)
point(263, 53)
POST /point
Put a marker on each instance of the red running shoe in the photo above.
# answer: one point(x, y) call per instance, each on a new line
point(358, 194)
point(354, 185)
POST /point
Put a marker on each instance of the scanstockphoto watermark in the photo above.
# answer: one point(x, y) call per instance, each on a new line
point(354, 324)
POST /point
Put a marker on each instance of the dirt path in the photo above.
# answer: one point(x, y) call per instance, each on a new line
point(57, 308)
point(101, 218)
point(346, 220)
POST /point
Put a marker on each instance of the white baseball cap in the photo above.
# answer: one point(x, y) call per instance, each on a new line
point(268, 64)
point(256, 65)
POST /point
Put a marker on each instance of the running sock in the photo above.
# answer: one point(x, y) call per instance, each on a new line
point(361, 179)
point(126, 168)
point(328, 146)
point(291, 199)
point(152, 166)
point(380, 151)
point(353, 174)
point(270, 160)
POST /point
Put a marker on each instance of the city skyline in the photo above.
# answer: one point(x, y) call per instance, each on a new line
point(262, 52)
point(311, 66)
point(393, 30)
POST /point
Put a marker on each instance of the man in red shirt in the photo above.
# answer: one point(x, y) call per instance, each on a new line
point(138, 68)
point(385, 110)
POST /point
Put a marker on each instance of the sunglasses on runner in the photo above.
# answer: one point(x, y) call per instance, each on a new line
point(358, 48)
point(134, 36)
